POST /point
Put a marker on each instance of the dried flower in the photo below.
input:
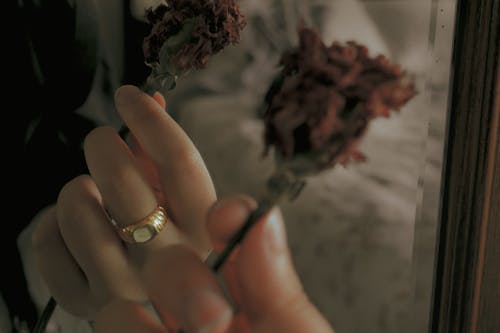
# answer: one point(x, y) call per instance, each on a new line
point(186, 33)
point(323, 100)
point(317, 110)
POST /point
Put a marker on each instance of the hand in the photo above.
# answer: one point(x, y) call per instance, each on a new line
point(186, 295)
point(80, 255)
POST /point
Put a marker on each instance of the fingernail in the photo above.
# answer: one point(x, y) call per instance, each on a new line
point(126, 94)
point(239, 200)
point(207, 311)
point(157, 94)
point(275, 232)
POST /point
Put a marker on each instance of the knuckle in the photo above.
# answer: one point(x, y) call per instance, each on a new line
point(98, 135)
point(73, 190)
point(44, 230)
point(71, 197)
point(178, 255)
point(78, 307)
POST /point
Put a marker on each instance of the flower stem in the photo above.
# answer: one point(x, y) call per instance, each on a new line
point(41, 324)
point(262, 209)
point(281, 185)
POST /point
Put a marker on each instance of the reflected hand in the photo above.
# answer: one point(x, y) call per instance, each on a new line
point(259, 276)
point(80, 255)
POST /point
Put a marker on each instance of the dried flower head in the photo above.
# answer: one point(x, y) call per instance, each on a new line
point(186, 33)
point(323, 100)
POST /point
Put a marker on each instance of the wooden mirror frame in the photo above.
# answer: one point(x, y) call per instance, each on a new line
point(467, 273)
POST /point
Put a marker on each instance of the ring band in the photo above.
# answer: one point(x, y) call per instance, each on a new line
point(144, 230)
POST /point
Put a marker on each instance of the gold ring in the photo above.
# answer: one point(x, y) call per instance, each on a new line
point(144, 230)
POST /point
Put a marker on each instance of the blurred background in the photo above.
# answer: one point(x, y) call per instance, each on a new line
point(362, 237)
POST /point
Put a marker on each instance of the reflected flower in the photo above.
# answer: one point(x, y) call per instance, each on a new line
point(186, 33)
point(321, 104)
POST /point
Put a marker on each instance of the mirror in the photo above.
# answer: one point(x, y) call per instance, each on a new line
point(363, 237)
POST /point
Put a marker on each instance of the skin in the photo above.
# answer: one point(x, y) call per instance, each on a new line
point(108, 281)
point(259, 276)
point(160, 165)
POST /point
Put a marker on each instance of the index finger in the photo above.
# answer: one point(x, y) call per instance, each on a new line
point(184, 178)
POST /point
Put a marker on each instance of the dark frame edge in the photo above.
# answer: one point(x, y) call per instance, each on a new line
point(487, 293)
point(464, 201)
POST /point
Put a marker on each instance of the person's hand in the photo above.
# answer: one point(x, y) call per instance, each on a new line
point(259, 276)
point(80, 255)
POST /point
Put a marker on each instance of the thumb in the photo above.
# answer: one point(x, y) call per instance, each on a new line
point(271, 293)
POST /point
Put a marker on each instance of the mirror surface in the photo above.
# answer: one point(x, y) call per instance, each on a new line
point(363, 237)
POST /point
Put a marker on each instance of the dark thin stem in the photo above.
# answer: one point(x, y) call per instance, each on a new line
point(149, 88)
point(41, 324)
point(255, 216)
point(263, 208)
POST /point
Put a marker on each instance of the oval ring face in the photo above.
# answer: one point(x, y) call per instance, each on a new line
point(144, 234)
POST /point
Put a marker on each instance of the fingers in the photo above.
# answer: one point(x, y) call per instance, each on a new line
point(226, 216)
point(94, 244)
point(127, 193)
point(81, 237)
point(143, 158)
point(126, 317)
point(262, 276)
point(182, 287)
point(223, 221)
point(183, 176)
point(52, 256)
point(159, 99)
point(186, 295)
point(263, 255)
